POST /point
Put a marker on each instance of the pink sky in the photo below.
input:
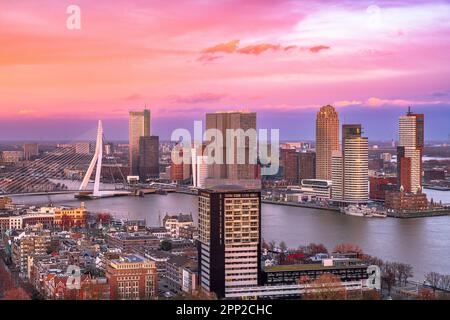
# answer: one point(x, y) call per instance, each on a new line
point(185, 57)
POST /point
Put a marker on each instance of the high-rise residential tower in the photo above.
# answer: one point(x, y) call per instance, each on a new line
point(230, 171)
point(409, 152)
point(139, 127)
point(229, 239)
point(327, 140)
point(350, 168)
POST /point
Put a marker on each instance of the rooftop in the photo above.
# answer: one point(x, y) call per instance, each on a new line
point(228, 188)
point(308, 266)
point(130, 258)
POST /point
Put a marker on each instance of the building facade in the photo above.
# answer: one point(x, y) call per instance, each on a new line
point(229, 239)
point(148, 157)
point(70, 217)
point(409, 152)
point(327, 140)
point(132, 277)
point(306, 165)
point(139, 126)
point(350, 168)
point(231, 172)
point(30, 150)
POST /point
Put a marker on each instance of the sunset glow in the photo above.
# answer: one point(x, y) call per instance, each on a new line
point(188, 57)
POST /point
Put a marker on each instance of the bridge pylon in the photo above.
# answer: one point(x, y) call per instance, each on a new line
point(95, 162)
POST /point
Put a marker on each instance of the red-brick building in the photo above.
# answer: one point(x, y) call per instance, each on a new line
point(380, 185)
point(289, 163)
point(402, 201)
point(132, 277)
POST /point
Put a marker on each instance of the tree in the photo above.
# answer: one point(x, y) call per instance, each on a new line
point(314, 248)
point(304, 280)
point(5, 280)
point(388, 275)
point(445, 282)
point(326, 287)
point(265, 245)
point(372, 260)
point(426, 294)
point(272, 245)
point(166, 245)
point(371, 295)
point(348, 248)
point(16, 294)
point(283, 246)
point(433, 278)
point(407, 272)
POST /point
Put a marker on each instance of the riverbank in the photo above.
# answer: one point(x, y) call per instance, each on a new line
point(419, 214)
point(301, 205)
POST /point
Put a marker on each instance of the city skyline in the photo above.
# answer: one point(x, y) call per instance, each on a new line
point(283, 60)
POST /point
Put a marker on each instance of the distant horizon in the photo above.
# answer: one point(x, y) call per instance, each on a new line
point(379, 124)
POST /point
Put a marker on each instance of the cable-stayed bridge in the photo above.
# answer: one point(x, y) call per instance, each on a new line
point(49, 174)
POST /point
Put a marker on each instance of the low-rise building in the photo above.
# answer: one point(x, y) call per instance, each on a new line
point(128, 240)
point(345, 269)
point(401, 201)
point(28, 244)
point(71, 217)
point(174, 271)
point(132, 277)
point(174, 223)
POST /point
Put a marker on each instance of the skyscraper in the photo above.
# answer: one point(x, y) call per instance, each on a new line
point(229, 238)
point(139, 127)
point(327, 140)
point(244, 174)
point(149, 157)
point(350, 168)
point(409, 152)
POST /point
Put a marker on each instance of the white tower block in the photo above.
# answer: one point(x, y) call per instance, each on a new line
point(97, 159)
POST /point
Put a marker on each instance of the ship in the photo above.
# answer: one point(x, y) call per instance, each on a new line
point(363, 211)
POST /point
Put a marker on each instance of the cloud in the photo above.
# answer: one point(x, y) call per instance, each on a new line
point(132, 97)
point(27, 111)
point(259, 48)
point(205, 97)
point(377, 102)
point(347, 103)
point(208, 58)
point(232, 47)
point(289, 47)
point(227, 47)
point(316, 49)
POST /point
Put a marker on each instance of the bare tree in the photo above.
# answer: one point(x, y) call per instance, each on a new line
point(388, 275)
point(348, 248)
point(272, 245)
point(408, 272)
point(445, 282)
point(314, 248)
point(283, 246)
point(426, 294)
point(373, 260)
point(16, 294)
point(326, 287)
point(433, 278)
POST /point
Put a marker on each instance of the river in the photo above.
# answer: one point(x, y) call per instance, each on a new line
point(422, 242)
